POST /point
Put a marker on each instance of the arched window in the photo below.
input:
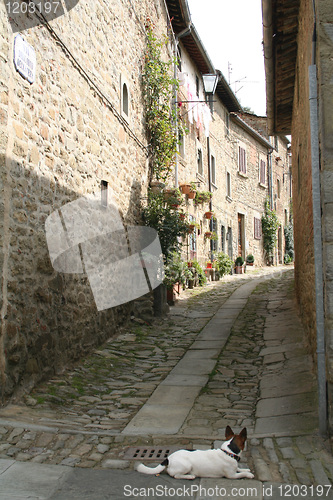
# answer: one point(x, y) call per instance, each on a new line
point(125, 99)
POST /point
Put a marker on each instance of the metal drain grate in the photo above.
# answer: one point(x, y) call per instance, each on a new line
point(154, 453)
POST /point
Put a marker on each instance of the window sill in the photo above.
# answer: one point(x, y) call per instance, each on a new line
point(241, 174)
point(228, 198)
point(200, 177)
point(264, 186)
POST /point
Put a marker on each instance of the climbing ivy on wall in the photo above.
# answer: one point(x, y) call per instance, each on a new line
point(160, 115)
point(270, 225)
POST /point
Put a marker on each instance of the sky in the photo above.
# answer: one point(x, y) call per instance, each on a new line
point(231, 32)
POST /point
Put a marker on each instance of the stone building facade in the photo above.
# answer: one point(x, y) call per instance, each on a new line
point(79, 124)
point(77, 128)
point(298, 43)
point(210, 157)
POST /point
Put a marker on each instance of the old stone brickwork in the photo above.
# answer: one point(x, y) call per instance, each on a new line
point(59, 138)
point(81, 124)
point(302, 180)
point(325, 86)
point(238, 198)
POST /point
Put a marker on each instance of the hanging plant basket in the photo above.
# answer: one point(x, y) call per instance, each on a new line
point(209, 235)
point(168, 193)
point(209, 215)
point(185, 188)
point(157, 187)
point(191, 195)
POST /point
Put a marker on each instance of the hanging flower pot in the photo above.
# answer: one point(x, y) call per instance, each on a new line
point(209, 215)
point(208, 234)
point(157, 187)
point(191, 195)
point(185, 188)
point(209, 265)
point(168, 193)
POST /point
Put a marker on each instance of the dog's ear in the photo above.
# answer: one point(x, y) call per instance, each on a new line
point(229, 433)
point(243, 434)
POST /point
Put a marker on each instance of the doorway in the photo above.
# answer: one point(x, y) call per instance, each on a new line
point(241, 235)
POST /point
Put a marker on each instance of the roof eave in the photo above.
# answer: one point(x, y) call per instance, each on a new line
point(268, 34)
point(251, 131)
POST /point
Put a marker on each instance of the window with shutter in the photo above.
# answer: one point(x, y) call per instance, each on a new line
point(262, 177)
point(257, 228)
point(242, 160)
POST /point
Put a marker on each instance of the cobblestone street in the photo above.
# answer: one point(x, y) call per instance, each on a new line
point(262, 378)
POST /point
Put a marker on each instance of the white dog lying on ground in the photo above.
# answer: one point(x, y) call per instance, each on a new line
point(189, 464)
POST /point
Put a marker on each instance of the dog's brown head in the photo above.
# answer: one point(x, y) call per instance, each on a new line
point(238, 440)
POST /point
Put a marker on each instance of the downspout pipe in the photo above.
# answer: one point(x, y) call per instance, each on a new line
point(270, 177)
point(210, 190)
point(317, 237)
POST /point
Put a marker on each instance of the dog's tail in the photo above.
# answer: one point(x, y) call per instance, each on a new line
point(153, 470)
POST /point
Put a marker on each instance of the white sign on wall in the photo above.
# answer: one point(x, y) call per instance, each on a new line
point(24, 59)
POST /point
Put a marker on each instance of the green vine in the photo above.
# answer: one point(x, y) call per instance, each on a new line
point(289, 239)
point(158, 89)
point(270, 225)
point(168, 223)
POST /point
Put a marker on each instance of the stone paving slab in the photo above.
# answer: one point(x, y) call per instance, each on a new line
point(290, 425)
point(29, 481)
point(177, 395)
point(186, 366)
point(194, 362)
point(281, 385)
point(155, 419)
point(185, 380)
point(286, 405)
point(86, 431)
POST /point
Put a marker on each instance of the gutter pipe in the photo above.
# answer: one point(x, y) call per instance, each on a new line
point(317, 237)
point(268, 36)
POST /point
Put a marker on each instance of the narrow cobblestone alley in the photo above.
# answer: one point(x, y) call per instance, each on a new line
point(260, 377)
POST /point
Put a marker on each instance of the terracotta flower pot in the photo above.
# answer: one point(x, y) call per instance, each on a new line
point(185, 188)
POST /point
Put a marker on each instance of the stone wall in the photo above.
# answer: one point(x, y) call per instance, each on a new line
point(302, 181)
point(59, 138)
point(325, 86)
point(248, 195)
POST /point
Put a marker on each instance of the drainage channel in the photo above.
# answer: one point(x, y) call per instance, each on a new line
point(153, 453)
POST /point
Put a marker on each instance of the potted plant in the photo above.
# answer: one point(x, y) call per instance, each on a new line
point(208, 265)
point(191, 275)
point(200, 273)
point(224, 264)
point(211, 235)
point(249, 260)
point(202, 197)
point(173, 275)
point(209, 214)
point(185, 188)
point(193, 191)
point(239, 264)
point(192, 226)
point(156, 186)
point(173, 198)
